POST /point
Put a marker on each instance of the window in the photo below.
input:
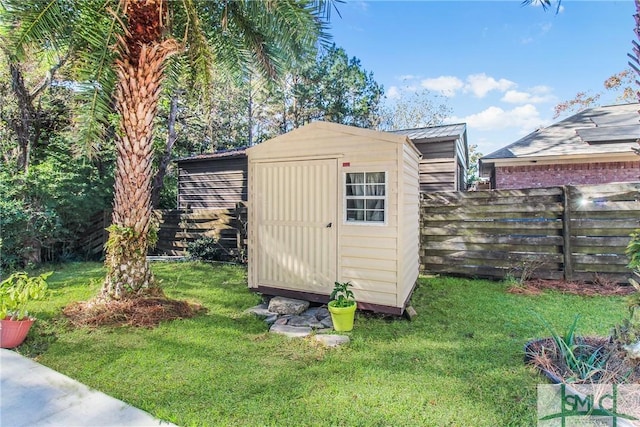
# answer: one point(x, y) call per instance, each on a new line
point(366, 197)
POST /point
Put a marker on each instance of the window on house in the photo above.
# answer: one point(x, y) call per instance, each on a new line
point(366, 196)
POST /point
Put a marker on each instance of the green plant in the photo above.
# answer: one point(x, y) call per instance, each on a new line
point(17, 290)
point(583, 360)
point(206, 249)
point(342, 296)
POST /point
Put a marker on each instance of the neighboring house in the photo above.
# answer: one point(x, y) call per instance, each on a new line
point(212, 181)
point(445, 156)
point(594, 146)
point(219, 180)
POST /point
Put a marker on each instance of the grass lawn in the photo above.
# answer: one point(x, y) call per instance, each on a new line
point(459, 363)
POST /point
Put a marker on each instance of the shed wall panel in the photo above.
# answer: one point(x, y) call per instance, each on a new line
point(410, 231)
point(218, 183)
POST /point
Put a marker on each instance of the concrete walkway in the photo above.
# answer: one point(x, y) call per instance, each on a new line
point(34, 395)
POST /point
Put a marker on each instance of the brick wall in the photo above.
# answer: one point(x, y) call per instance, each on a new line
point(538, 176)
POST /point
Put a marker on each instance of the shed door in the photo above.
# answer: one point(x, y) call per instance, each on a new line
point(296, 209)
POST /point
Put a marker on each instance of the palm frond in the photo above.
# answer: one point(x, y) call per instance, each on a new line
point(43, 23)
point(94, 40)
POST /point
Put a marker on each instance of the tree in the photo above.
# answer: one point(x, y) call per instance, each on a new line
point(121, 49)
point(621, 83)
point(415, 109)
point(333, 87)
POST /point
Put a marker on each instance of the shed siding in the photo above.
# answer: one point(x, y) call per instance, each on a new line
point(410, 226)
point(212, 183)
point(437, 166)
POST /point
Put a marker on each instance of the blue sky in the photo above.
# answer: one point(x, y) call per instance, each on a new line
point(501, 67)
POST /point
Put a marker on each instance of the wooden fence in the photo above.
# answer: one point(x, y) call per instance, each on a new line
point(571, 232)
point(177, 228)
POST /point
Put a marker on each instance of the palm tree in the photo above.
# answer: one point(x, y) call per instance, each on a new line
point(121, 50)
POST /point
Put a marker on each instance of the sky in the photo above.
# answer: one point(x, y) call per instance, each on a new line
point(499, 66)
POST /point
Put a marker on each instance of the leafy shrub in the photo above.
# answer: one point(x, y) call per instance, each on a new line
point(43, 212)
point(206, 249)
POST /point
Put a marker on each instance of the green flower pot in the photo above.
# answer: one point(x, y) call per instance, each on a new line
point(342, 317)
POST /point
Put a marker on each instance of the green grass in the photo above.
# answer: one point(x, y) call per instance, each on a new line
point(459, 363)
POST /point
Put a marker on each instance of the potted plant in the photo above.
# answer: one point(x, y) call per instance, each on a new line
point(16, 292)
point(342, 307)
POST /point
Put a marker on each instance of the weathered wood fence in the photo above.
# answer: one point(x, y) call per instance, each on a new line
point(177, 228)
point(571, 232)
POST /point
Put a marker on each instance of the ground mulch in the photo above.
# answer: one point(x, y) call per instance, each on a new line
point(597, 288)
point(546, 357)
point(141, 312)
point(616, 368)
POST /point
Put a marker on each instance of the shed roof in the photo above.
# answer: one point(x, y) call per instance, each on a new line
point(601, 130)
point(222, 154)
point(434, 132)
point(333, 128)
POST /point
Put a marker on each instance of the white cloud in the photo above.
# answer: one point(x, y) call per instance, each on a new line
point(406, 77)
point(525, 117)
point(393, 92)
point(446, 85)
point(535, 95)
point(481, 84)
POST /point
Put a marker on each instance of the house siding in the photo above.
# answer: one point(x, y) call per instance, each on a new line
point(540, 176)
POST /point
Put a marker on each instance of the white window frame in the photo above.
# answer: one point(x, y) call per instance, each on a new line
point(385, 198)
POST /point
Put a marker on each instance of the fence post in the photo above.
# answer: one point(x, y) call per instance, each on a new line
point(566, 232)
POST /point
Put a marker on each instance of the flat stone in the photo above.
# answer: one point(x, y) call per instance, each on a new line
point(315, 324)
point(291, 331)
point(327, 322)
point(310, 312)
point(271, 319)
point(282, 305)
point(332, 340)
point(298, 321)
point(322, 313)
point(411, 312)
point(281, 320)
point(261, 310)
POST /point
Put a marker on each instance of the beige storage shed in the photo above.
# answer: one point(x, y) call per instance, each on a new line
point(330, 202)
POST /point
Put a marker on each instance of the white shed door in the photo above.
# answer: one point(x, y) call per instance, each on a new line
point(296, 209)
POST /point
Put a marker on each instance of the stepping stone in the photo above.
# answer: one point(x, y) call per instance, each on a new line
point(282, 305)
point(315, 324)
point(332, 340)
point(271, 319)
point(291, 331)
point(327, 322)
point(322, 313)
point(259, 310)
point(299, 321)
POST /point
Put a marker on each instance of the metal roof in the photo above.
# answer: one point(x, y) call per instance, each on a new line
point(601, 130)
point(434, 132)
point(222, 154)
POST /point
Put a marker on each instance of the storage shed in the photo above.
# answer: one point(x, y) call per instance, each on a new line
point(445, 156)
point(329, 203)
point(212, 180)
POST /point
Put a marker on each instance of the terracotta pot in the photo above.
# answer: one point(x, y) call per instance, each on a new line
point(13, 332)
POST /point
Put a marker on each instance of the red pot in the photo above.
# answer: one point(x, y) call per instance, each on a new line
point(13, 332)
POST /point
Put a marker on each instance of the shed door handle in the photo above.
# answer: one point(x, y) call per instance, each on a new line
point(329, 225)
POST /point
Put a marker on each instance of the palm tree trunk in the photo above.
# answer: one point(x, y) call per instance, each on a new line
point(140, 73)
